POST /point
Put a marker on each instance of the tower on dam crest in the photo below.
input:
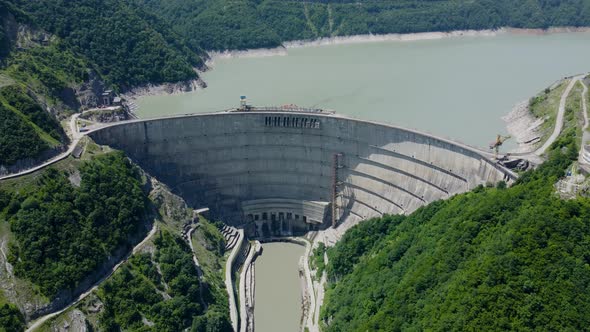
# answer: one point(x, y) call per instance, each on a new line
point(287, 171)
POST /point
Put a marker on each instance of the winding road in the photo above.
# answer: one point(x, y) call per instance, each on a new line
point(585, 133)
point(313, 310)
point(37, 323)
point(315, 301)
point(560, 115)
point(76, 135)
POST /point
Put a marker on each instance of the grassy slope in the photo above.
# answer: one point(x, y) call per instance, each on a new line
point(49, 71)
point(545, 106)
point(573, 117)
point(46, 137)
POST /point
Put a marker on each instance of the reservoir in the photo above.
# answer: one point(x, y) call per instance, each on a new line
point(455, 87)
point(278, 289)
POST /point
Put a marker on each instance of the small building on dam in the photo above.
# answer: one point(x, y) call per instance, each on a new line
point(285, 172)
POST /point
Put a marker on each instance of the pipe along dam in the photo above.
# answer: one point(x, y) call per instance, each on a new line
point(277, 172)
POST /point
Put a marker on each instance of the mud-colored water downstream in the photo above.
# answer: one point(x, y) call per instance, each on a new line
point(278, 288)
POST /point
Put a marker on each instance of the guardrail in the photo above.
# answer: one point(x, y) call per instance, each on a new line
point(284, 108)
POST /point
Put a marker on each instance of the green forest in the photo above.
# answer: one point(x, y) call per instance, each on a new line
point(514, 258)
point(18, 98)
point(11, 319)
point(132, 43)
point(18, 140)
point(134, 292)
point(26, 129)
point(127, 46)
point(241, 24)
point(63, 232)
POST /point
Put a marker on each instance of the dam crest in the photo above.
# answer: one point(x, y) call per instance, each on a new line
point(283, 172)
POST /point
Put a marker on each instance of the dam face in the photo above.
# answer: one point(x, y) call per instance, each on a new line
point(286, 172)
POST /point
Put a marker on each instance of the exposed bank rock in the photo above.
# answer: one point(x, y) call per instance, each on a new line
point(165, 89)
point(524, 127)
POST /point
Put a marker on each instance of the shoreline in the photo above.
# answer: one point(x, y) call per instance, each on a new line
point(283, 50)
point(165, 89)
point(379, 38)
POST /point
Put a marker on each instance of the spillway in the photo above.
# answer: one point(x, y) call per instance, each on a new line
point(284, 172)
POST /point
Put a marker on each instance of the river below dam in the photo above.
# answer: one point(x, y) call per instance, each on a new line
point(456, 87)
point(278, 288)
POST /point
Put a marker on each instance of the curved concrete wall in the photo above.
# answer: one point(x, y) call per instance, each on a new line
point(219, 160)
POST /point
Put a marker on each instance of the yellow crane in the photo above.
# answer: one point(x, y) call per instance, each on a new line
point(498, 143)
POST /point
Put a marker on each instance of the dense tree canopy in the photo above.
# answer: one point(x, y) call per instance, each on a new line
point(136, 293)
point(222, 24)
point(63, 233)
point(17, 97)
point(11, 319)
point(137, 42)
point(513, 258)
point(18, 140)
point(127, 46)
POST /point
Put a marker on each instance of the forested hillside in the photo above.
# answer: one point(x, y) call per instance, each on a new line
point(18, 140)
point(126, 45)
point(63, 228)
point(158, 288)
point(63, 232)
point(136, 42)
point(134, 292)
point(222, 24)
point(496, 258)
point(26, 129)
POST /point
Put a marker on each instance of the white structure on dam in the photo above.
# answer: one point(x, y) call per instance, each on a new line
point(284, 172)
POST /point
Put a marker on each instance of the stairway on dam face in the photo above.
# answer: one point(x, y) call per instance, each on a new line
point(223, 159)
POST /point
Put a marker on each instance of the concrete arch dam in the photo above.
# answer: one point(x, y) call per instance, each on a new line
point(285, 172)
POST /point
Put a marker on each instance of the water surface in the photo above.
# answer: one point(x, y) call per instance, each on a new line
point(454, 87)
point(278, 288)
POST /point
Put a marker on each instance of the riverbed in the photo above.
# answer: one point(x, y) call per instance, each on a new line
point(456, 87)
point(278, 288)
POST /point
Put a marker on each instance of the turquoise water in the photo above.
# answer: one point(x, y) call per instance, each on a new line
point(455, 87)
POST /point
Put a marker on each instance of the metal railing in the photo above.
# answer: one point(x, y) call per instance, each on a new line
point(284, 108)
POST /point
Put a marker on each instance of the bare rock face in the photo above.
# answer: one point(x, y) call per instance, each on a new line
point(88, 92)
point(77, 322)
point(27, 37)
point(166, 88)
point(73, 321)
point(524, 127)
point(107, 115)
